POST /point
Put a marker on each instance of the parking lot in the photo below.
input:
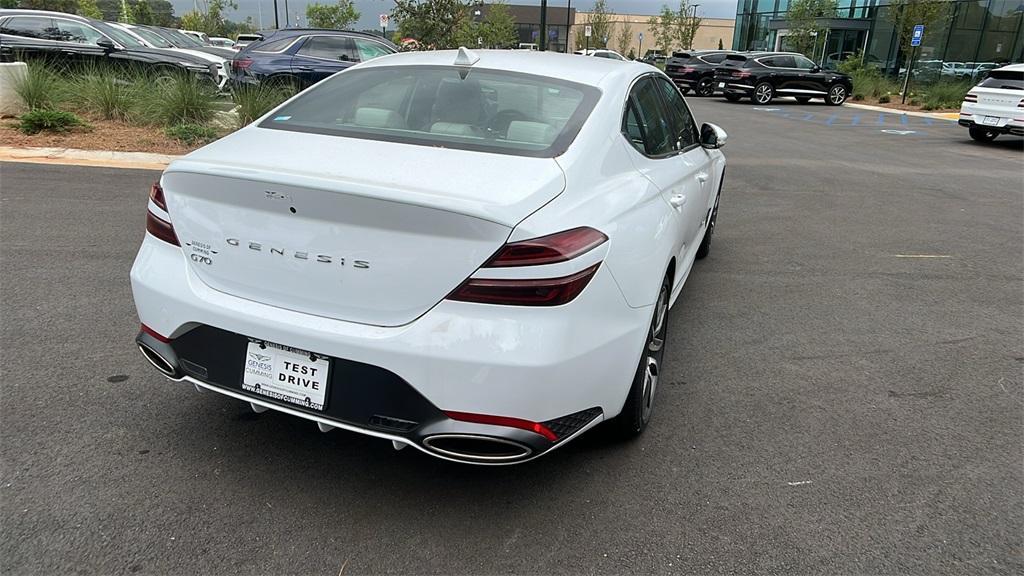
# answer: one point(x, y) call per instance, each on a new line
point(844, 394)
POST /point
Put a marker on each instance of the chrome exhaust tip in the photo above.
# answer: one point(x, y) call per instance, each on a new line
point(476, 448)
point(158, 361)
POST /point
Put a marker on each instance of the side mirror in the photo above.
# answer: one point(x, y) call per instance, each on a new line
point(712, 137)
point(816, 69)
point(106, 44)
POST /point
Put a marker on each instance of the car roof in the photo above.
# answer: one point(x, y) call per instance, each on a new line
point(591, 71)
point(1011, 68)
point(24, 12)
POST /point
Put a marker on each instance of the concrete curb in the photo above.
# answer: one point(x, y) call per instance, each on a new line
point(75, 157)
point(953, 116)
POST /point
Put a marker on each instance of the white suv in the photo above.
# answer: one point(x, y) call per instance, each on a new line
point(996, 105)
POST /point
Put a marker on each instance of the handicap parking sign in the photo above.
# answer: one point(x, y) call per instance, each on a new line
point(915, 38)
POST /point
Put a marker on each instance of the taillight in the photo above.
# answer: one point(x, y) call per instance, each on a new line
point(155, 334)
point(547, 249)
point(741, 74)
point(686, 69)
point(524, 291)
point(504, 421)
point(157, 226)
point(156, 194)
point(162, 229)
point(241, 63)
point(1021, 103)
point(969, 97)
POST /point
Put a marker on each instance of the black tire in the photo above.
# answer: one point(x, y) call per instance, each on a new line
point(732, 97)
point(763, 93)
point(983, 134)
point(803, 99)
point(837, 94)
point(705, 87)
point(639, 406)
point(705, 243)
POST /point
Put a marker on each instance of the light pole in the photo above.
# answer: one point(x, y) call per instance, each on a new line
point(277, 25)
point(693, 25)
point(543, 36)
point(568, 26)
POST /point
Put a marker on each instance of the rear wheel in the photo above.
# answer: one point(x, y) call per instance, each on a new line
point(763, 93)
point(636, 412)
point(836, 95)
point(732, 97)
point(983, 134)
point(705, 243)
point(705, 87)
point(803, 99)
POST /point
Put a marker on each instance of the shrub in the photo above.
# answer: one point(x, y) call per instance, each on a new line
point(857, 97)
point(37, 120)
point(945, 95)
point(884, 99)
point(181, 100)
point(255, 101)
point(109, 95)
point(191, 133)
point(41, 88)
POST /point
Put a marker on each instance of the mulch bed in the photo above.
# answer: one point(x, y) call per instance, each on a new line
point(101, 135)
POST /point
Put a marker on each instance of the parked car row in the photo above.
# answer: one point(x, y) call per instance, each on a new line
point(73, 41)
point(759, 76)
point(996, 105)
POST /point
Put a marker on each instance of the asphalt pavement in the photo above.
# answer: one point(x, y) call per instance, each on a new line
point(843, 394)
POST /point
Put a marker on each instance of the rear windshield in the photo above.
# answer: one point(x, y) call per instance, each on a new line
point(1005, 79)
point(444, 106)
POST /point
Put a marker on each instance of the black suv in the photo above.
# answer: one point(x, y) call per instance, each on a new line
point(695, 70)
point(73, 41)
point(764, 75)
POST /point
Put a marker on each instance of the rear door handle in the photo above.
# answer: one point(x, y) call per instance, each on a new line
point(677, 201)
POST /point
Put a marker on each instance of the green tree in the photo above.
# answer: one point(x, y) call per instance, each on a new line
point(126, 15)
point(803, 23)
point(686, 24)
point(624, 38)
point(720, 47)
point(89, 9)
point(69, 6)
point(905, 14)
point(663, 29)
point(192, 20)
point(434, 24)
point(143, 13)
point(8, 4)
point(600, 24)
point(338, 16)
point(496, 30)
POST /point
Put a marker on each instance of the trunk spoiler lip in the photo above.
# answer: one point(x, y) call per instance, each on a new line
point(422, 197)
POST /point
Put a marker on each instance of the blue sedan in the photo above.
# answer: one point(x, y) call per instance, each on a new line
point(297, 58)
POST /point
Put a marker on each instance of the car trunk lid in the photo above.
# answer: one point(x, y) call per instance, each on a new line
point(358, 230)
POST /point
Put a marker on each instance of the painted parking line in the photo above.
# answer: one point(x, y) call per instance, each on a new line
point(904, 119)
point(856, 120)
point(807, 116)
point(831, 119)
point(881, 118)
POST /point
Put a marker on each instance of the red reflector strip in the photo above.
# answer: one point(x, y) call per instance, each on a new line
point(155, 334)
point(519, 423)
point(524, 292)
point(161, 229)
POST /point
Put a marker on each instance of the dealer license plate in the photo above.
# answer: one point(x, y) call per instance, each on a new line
point(990, 120)
point(285, 373)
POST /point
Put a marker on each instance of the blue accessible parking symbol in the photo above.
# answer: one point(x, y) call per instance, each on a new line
point(915, 38)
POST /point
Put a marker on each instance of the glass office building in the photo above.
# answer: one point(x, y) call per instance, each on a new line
point(971, 37)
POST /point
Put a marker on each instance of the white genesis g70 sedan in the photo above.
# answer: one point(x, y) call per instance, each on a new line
point(470, 253)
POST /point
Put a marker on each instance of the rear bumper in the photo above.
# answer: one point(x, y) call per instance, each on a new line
point(730, 87)
point(542, 365)
point(1005, 126)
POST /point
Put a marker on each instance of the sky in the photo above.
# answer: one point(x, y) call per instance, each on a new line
point(370, 9)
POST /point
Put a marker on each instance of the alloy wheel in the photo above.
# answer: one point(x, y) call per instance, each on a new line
point(763, 94)
point(837, 95)
point(655, 351)
point(706, 87)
